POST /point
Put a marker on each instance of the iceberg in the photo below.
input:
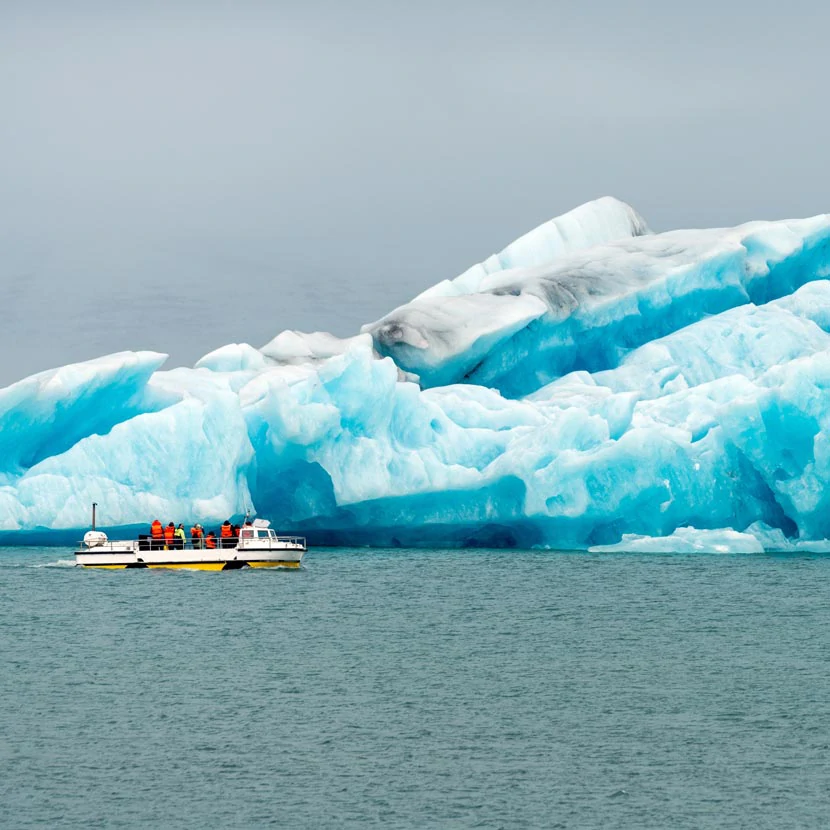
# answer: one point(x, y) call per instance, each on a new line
point(593, 386)
point(686, 540)
point(757, 538)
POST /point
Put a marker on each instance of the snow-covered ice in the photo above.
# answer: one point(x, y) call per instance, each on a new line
point(757, 538)
point(593, 385)
point(686, 540)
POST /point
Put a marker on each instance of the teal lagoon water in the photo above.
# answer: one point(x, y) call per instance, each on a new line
point(417, 689)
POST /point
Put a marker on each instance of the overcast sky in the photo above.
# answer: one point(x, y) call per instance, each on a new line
point(187, 174)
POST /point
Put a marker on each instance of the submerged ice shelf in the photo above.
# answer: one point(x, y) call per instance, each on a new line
point(592, 383)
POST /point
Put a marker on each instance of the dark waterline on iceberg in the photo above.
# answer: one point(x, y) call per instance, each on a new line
point(417, 688)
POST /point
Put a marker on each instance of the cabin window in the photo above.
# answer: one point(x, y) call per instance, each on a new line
point(247, 533)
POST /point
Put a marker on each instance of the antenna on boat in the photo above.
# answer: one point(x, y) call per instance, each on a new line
point(94, 505)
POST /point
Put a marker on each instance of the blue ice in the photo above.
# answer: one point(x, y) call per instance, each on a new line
point(593, 385)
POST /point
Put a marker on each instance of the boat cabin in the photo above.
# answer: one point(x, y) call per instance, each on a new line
point(257, 533)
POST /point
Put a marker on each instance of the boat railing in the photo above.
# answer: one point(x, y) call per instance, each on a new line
point(148, 543)
point(282, 540)
point(108, 545)
point(292, 540)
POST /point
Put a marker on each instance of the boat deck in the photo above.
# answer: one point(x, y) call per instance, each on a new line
point(256, 547)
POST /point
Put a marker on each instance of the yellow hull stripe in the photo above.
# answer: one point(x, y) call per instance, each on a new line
point(199, 566)
point(108, 567)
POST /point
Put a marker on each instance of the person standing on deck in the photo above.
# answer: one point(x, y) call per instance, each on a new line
point(169, 536)
point(197, 536)
point(156, 535)
point(226, 532)
point(179, 534)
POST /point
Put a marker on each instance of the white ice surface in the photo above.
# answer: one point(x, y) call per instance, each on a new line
point(594, 223)
point(686, 540)
point(757, 538)
point(587, 308)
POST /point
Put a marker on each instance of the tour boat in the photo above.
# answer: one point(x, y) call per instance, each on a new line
point(258, 546)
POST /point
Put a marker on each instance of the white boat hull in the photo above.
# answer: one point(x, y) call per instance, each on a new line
point(255, 553)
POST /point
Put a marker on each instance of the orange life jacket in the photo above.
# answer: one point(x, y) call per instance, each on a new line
point(155, 529)
point(210, 542)
point(227, 530)
point(196, 532)
point(169, 533)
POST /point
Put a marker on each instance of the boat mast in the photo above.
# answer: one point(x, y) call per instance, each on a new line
point(94, 505)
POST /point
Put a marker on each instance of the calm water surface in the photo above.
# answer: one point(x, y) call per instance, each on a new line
point(417, 689)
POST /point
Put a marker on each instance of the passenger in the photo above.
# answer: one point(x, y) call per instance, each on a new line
point(210, 541)
point(156, 535)
point(235, 537)
point(179, 534)
point(226, 532)
point(197, 536)
point(169, 536)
